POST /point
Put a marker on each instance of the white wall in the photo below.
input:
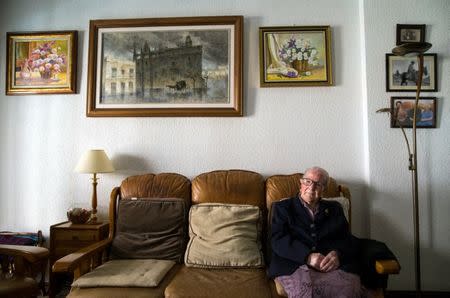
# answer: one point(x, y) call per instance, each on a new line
point(389, 184)
point(284, 130)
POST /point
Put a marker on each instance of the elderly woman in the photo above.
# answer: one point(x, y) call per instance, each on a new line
point(313, 250)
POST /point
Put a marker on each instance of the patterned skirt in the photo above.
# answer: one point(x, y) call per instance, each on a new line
point(309, 283)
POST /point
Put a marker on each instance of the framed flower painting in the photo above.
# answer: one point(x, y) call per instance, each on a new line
point(295, 56)
point(41, 62)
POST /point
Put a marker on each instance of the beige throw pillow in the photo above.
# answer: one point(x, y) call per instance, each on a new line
point(345, 203)
point(224, 236)
point(126, 273)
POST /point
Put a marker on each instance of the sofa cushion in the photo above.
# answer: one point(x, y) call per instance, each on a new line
point(224, 236)
point(223, 283)
point(151, 229)
point(345, 203)
point(126, 273)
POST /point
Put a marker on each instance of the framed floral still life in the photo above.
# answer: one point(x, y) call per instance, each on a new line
point(188, 66)
point(41, 62)
point(295, 56)
point(402, 109)
point(407, 33)
point(402, 73)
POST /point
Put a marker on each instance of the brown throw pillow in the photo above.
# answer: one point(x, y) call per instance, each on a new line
point(151, 229)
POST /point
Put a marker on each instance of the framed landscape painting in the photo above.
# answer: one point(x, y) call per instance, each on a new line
point(295, 56)
point(403, 112)
point(189, 66)
point(402, 73)
point(41, 62)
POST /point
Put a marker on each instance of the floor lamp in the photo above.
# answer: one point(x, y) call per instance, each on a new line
point(414, 49)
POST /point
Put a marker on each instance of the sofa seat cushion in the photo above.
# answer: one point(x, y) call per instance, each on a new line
point(123, 292)
point(126, 273)
point(224, 236)
point(223, 283)
point(151, 228)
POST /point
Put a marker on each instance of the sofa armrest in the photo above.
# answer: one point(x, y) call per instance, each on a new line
point(376, 263)
point(32, 254)
point(387, 266)
point(90, 256)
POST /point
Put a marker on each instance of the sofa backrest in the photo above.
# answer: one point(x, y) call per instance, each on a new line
point(165, 185)
point(229, 186)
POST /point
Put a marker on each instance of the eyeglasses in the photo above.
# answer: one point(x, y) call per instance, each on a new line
point(308, 182)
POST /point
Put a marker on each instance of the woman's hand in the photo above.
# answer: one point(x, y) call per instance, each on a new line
point(330, 262)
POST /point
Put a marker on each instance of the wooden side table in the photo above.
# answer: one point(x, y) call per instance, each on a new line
point(66, 238)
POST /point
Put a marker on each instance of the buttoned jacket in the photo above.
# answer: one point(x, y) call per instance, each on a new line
point(295, 235)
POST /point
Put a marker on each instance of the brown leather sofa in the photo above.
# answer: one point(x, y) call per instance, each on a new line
point(227, 186)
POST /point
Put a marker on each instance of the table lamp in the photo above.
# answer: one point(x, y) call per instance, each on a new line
point(94, 162)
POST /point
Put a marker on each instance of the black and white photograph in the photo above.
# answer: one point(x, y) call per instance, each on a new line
point(402, 73)
point(407, 33)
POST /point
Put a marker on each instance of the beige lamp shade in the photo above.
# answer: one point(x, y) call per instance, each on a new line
point(94, 161)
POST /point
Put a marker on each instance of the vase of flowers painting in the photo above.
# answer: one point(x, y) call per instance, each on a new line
point(299, 53)
point(46, 60)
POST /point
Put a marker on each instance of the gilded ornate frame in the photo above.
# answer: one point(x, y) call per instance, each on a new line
point(41, 62)
point(295, 56)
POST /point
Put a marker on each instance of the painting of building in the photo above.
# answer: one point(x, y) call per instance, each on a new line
point(173, 71)
point(119, 79)
point(165, 66)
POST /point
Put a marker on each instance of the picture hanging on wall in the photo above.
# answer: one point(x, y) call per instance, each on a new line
point(402, 73)
point(295, 56)
point(407, 33)
point(189, 66)
point(402, 109)
point(41, 62)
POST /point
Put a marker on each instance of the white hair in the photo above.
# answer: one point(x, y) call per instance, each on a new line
point(324, 173)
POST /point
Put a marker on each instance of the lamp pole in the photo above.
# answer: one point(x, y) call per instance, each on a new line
point(415, 49)
point(415, 179)
point(94, 199)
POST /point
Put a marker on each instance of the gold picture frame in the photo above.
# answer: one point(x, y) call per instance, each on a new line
point(295, 56)
point(187, 66)
point(41, 62)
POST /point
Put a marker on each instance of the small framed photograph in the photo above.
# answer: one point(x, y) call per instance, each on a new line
point(41, 62)
point(402, 111)
point(402, 73)
point(410, 33)
point(295, 56)
point(186, 66)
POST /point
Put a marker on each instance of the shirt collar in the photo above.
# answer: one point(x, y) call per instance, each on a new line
point(311, 211)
